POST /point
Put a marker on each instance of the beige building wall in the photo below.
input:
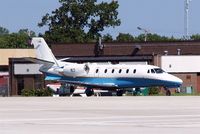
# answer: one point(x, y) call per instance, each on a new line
point(5, 54)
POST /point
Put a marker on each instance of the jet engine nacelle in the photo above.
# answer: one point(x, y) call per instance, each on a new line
point(76, 70)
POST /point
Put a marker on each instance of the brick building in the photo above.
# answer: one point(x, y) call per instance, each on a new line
point(151, 52)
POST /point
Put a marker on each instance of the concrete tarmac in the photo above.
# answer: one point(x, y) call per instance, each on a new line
point(100, 115)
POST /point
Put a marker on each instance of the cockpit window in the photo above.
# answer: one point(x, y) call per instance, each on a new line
point(158, 70)
point(152, 71)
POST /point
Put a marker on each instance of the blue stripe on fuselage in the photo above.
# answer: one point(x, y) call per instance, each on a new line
point(119, 82)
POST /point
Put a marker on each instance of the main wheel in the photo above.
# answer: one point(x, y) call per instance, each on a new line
point(89, 92)
point(120, 92)
point(72, 88)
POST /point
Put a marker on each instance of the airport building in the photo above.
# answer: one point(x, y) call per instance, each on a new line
point(179, 58)
point(16, 73)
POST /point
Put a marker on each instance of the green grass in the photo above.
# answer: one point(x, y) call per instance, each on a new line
point(185, 94)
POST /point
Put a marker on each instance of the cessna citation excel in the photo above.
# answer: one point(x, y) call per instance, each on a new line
point(91, 75)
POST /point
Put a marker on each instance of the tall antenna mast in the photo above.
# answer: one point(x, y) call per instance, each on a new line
point(186, 19)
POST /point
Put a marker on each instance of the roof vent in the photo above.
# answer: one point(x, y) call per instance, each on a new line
point(136, 50)
point(178, 51)
point(165, 52)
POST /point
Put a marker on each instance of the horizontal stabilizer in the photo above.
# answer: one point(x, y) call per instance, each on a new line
point(64, 59)
point(45, 64)
point(38, 61)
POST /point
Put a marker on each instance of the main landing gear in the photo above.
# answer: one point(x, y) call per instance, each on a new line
point(89, 91)
point(72, 89)
point(119, 92)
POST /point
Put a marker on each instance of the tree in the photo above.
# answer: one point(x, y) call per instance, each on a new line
point(122, 37)
point(27, 32)
point(3, 42)
point(3, 31)
point(195, 37)
point(16, 40)
point(80, 20)
point(107, 38)
point(154, 37)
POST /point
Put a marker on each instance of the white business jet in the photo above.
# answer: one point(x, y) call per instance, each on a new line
point(91, 75)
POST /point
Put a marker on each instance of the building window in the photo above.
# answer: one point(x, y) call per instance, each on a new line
point(3, 69)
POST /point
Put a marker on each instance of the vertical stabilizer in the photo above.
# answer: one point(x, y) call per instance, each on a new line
point(43, 52)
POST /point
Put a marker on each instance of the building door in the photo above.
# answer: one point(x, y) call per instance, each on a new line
point(198, 83)
point(20, 85)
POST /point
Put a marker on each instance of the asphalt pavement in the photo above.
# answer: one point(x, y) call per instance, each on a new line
point(100, 115)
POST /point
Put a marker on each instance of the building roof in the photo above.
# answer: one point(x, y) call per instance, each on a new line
point(111, 51)
point(128, 49)
point(5, 54)
point(148, 58)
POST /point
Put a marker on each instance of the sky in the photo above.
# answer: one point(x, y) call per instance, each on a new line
point(163, 17)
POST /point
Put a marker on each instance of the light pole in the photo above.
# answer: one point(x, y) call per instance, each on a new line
point(145, 32)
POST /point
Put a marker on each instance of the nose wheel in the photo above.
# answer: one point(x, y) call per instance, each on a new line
point(168, 92)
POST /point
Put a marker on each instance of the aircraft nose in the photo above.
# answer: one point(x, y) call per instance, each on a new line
point(177, 80)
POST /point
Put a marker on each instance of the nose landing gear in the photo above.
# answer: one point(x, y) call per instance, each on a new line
point(168, 92)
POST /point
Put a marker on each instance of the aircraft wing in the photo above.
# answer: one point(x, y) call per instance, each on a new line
point(93, 85)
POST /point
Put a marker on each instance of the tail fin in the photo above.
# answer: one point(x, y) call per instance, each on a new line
point(43, 52)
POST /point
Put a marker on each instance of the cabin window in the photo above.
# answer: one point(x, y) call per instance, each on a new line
point(127, 70)
point(120, 70)
point(134, 71)
point(105, 71)
point(97, 70)
point(113, 70)
point(152, 71)
point(148, 71)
